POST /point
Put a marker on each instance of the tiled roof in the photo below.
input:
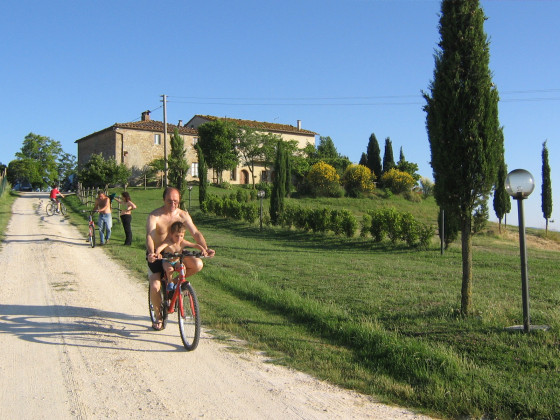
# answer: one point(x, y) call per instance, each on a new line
point(150, 125)
point(284, 128)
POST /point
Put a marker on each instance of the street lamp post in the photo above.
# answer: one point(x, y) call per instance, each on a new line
point(520, 184)
point(190, 189)
point(261, 195)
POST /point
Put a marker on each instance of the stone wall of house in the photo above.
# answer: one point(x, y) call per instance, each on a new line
point(102, 142)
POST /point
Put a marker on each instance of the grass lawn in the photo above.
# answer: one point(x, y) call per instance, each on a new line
point(378, 318)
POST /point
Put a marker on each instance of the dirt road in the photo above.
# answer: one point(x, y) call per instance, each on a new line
point(76, 343)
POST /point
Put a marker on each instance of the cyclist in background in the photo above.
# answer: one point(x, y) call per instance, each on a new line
point(54, 197)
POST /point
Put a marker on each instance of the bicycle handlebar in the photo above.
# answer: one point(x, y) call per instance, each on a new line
point(184, 253)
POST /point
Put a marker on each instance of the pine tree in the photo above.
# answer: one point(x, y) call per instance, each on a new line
point(546, 187)
point(462, 123)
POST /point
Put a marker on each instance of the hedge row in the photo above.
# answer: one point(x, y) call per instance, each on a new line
point(396, 226)
point(320, 220)
point(379, 223)
point(231, 207)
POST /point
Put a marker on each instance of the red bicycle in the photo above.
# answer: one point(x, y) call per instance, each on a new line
point(182, 299)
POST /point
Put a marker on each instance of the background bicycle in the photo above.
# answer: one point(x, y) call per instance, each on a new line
point(51, 208)
point(91, 227)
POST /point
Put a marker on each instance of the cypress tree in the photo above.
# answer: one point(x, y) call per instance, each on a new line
point(388, 159)
point(502, 202)
point(374, 156)
point(462, 123)
point(202, 176)
point(546, 187)
point(279, 185)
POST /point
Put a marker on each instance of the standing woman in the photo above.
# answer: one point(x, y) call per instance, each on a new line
point(126, 216)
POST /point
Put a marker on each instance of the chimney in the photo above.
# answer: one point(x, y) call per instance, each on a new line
point(299, 124)
point(146, 116)
point(180, 123)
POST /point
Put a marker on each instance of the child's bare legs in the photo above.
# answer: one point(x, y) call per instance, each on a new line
point(168, 269)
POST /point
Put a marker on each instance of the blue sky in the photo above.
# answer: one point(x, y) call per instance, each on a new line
point(345, 68)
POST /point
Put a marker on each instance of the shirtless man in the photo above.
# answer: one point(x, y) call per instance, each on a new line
point(157, 228)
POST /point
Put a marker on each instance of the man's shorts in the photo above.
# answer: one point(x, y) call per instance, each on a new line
point(155, 267)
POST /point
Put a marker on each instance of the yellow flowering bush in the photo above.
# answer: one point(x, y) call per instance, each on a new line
point(323, 179)
point(397, 181)
point(357, 179)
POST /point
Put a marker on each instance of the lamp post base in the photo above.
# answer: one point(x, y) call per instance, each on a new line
point(531, 328)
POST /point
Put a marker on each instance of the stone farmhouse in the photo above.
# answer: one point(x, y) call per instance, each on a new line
point(136, 144)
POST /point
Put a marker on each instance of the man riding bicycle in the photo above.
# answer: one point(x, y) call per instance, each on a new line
point(157, 230)
point(55, 193)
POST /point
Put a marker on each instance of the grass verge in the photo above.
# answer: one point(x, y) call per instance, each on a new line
point(377, 318)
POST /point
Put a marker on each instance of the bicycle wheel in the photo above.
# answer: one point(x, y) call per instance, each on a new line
point(50, 209)
point(92, 236)
point(162, 309)
point(189, 325)
point(63, 209)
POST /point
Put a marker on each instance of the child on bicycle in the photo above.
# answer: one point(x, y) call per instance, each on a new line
point(55, 193)
point(175, 242)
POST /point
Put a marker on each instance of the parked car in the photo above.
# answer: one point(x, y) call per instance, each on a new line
point(23, 186)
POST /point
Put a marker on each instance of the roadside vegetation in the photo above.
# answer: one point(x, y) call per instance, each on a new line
point(7, 198)
point(380, 318)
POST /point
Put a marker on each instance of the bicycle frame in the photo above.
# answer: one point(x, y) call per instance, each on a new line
point(177, 295)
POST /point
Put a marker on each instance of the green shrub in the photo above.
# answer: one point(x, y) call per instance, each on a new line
point(366, 225)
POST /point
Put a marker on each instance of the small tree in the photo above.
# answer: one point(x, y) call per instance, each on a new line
point(546, 187)
point(217, 141)
point(98, 172)
point(501, 202)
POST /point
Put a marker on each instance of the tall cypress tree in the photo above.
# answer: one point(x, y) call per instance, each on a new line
point(279, 184)
point(178, 165)
point(462, 122)
point(374, 156)
point(388, 158)
point(546, 187)
point(202, 176)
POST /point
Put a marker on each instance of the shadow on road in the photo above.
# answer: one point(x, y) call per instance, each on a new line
point(82, 327)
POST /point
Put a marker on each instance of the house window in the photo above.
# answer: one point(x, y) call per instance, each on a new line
point(264, 176)
point(233, 175)
point(157, 138)
point(194, 141)
point(194, 170)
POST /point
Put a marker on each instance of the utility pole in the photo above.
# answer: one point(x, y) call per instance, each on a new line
point(165, 139)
